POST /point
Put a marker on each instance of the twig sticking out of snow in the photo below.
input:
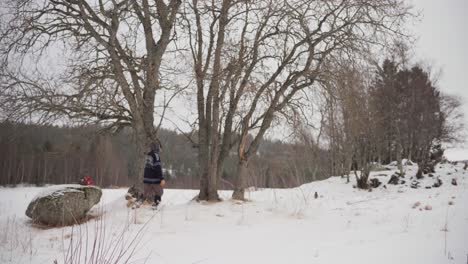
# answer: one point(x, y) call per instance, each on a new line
point(446, 230)
point(162, 216)
point(406, 222)
point(362, 201)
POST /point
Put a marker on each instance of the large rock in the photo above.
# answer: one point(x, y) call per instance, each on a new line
point(63, 204)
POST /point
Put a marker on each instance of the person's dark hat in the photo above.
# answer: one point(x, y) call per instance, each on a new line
point(154, 147)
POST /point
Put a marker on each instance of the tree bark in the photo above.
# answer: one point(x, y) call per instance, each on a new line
point(362, 181)
point(241, 180)
point(203, 161)
point(419, 173)
point(142, 140)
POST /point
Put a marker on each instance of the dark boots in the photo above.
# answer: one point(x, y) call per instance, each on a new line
point(157, 201)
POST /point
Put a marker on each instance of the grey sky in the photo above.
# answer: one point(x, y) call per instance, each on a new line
point(443, 42)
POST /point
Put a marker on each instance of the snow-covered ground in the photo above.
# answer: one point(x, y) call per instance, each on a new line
point(344, 225)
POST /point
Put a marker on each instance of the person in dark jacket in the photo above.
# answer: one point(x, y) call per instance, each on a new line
point(153, 179)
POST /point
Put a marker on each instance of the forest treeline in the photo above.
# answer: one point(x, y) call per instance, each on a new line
point(45, 154)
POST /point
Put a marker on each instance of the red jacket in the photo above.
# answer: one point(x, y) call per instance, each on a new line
point(86, 180)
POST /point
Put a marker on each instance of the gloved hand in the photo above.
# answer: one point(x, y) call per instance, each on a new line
point(163, 182)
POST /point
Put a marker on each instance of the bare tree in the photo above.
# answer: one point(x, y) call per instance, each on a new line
point(251, 59)
point(201, 19)
point(349, 126)
point(116, 54)
point(312, 33)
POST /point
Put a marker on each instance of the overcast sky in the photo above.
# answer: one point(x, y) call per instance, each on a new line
point(443, 42)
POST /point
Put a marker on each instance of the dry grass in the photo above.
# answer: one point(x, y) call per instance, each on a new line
point(89, 242)
point(95, 243)
point(16, 237)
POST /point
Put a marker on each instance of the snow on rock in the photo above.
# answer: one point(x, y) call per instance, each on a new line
point(345, 225)
point(63, 204)
point(59, 190)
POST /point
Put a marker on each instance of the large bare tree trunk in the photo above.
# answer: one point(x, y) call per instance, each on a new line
point(241, 180)
point(203, 161)
point(141, 146)
point(144, 135)
point(362, 181)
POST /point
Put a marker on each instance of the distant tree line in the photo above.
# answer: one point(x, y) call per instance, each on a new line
point(43, 154)
point(40, 155)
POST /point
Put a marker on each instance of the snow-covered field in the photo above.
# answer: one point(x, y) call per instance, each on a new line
point(344, 225)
